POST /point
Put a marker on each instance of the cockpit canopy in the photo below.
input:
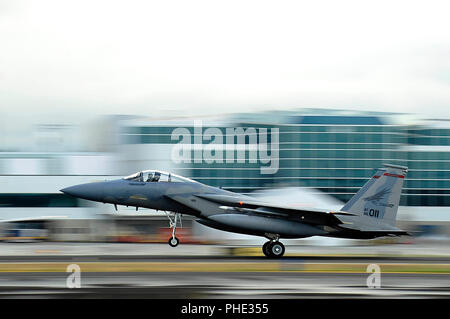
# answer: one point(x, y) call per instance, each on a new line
point(152, 176)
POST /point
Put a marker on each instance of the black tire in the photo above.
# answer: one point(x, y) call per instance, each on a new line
point(265, 249)
point(173, 242)
point(276, 250)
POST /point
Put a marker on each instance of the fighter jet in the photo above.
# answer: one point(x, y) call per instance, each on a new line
point(370, 213)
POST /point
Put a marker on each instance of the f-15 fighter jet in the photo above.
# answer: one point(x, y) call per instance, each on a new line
point(370, 213)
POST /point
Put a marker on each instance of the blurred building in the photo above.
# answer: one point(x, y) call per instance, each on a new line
point(331, 151)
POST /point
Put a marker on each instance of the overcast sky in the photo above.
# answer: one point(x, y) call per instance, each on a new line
point(184, 57)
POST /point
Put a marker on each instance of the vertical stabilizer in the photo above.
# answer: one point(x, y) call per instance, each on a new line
point(379, 198)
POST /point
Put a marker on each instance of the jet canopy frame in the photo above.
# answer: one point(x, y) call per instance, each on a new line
point(154, 176)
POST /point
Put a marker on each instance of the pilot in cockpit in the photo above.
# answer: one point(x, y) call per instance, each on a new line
point(156, 177)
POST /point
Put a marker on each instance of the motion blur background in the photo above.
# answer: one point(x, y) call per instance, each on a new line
point(92, 90)
point(325, 156)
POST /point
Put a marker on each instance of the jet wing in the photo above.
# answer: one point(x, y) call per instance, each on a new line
point(246, 204)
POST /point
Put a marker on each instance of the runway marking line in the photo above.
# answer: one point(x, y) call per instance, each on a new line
point(47, 251)
point(271, 266)
point(256, 251)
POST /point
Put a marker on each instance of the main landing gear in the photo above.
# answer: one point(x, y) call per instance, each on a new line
point(273, 249)
point(173, 221)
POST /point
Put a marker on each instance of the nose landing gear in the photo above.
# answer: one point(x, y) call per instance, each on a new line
point(273, 249)
point(174, 241)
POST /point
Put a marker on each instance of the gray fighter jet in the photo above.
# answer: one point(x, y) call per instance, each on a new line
point(370, 213)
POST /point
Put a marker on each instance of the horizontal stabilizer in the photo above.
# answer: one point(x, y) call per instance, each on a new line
point(382, 229)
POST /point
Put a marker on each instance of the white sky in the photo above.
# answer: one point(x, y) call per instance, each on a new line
point(184, 57)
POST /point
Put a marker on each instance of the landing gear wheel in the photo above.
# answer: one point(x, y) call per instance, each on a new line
point(276, 249)
point(273, 249)
point(265, 248)
point(173, 242)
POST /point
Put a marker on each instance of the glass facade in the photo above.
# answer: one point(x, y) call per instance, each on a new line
point(335, 154)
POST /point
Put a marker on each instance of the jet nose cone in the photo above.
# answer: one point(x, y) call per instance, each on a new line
point(90, 191)
point(75, 191)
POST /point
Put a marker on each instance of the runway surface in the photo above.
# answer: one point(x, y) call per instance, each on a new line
point(229, 274)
